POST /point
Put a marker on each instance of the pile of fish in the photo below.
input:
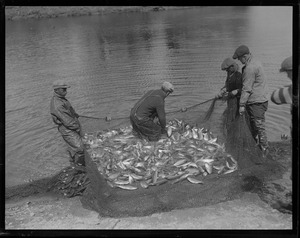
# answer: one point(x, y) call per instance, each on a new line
point(71, 181)
point(186, 152)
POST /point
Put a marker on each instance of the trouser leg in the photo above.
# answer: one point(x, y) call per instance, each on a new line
point(261, 133)
point(256, 114)
point(252, 126)
point(135, 129)
point(75, 145)
point(146, 128)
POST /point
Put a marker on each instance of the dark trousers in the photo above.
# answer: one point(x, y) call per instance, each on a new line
point(75, 145)
point(145, 128)
point(256, 112)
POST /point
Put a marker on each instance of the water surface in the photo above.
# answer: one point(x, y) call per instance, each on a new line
point(112, 60)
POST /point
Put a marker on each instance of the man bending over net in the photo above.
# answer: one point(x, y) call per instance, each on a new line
point(150, 106)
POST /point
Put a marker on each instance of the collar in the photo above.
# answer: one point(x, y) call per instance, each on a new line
point(249, 59)
point(164, 94)
point(57, 95)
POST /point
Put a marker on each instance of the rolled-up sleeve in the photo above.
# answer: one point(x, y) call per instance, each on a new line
point(248, 79)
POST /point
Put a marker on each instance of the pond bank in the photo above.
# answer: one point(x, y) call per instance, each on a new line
point(252, 210)
point(18, 13)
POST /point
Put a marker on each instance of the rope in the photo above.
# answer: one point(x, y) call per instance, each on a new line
point(170, 112)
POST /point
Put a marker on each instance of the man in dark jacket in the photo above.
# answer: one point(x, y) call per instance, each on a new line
point(65, 117)
point(150, 106)
point(233, 84)
point(231, 92)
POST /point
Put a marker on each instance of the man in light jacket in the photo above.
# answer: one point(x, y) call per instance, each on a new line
point(254, 96)
point(65, 117)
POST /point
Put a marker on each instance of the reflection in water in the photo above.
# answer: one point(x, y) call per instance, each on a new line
point(171, 36)
point(112, 60)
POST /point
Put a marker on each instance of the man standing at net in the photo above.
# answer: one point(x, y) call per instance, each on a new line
point(254, 96)
point(284, 96)
point(233, 83)
point(65, 117)
point(149, 107)
point(231, 91)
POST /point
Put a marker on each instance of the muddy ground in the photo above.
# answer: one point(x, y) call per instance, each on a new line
point(267, 207)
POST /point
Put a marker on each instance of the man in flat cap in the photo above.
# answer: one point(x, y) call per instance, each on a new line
point(231, 91)
point(233, 83)
point(284, 95)
point(65, 117)
point(147, 109)
point(254, 96)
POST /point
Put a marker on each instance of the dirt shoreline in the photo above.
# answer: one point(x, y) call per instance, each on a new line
point(37, 209)
point(13, 13)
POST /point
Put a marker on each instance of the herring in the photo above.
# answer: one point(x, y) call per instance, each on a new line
point(123, 159)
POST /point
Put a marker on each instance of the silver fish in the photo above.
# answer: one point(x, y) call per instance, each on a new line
point(194, 134)
point(113, 176)
point(121, 182)
point(169, 131)
point(192, 171)
point(127, 187)
point(144, 184)
point(181, 178)
point(230, 167)
point(229, 171)
point(193, 180)
point(208, 168)
point(179, 162)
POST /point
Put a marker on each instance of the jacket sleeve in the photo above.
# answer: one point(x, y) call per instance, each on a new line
point(282, 95)
point(160, 109)
point(248, 79)
point(66, 118)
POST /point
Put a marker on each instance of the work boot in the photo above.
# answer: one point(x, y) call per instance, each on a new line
point(265, 151)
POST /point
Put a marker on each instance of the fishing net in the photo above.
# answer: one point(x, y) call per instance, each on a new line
point(229, 165)
point(230, 162)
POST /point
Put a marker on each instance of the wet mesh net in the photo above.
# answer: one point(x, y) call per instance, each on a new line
point(221, 119)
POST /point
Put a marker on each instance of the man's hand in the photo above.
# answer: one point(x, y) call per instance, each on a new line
point(242, 110)
point(221, 93)
point(234, 92)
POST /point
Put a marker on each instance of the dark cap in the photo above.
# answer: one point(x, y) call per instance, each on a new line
point(287, 64)
point(227, 63)
point(240, 51)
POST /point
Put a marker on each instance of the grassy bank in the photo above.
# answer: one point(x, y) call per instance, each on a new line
point(36, 12)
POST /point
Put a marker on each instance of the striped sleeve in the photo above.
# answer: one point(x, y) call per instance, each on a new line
point(282, 95)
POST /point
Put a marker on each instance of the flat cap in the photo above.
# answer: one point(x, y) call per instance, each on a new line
point(60, 84)
point(287, 64)
point(167, 87)
point(240, 51)
point(227, 63)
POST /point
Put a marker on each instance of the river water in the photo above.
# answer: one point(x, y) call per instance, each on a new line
point(111, 60)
